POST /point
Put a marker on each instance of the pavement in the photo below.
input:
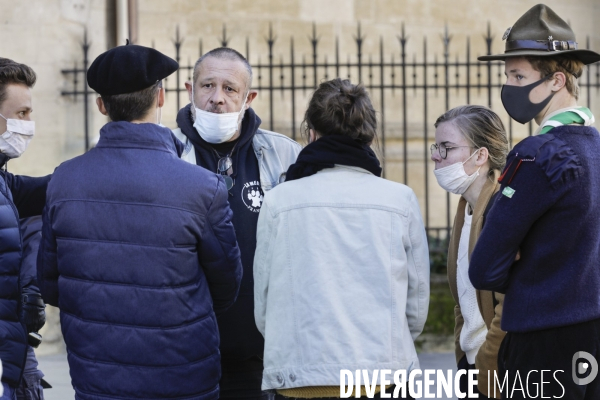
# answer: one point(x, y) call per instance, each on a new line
point(56, 369)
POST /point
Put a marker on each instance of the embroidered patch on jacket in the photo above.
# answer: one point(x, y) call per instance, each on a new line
point(508, 192)
point(252, 195)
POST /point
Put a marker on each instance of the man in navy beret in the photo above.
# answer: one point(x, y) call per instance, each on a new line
point(138, 248)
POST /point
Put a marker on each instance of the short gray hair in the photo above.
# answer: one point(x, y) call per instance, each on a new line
point(227, 54)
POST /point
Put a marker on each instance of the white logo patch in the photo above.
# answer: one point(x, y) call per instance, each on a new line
point(252, 195)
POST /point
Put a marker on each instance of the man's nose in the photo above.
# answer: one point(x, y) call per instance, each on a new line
point(436, 156)
point(218, 96)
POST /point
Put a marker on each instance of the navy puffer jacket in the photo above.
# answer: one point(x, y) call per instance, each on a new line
point(25, 196)
point(137, 250)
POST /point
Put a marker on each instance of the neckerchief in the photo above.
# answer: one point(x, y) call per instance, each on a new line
point(579, 115)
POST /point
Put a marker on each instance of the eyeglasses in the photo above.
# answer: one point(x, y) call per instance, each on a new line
point(225, 169)
point(442, 149)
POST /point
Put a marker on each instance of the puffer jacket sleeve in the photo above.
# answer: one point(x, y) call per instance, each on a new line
point(29, 193)
point(417, 254)
point(47, 272)
point(31, 232)
point(219, 253)
point(262, 257)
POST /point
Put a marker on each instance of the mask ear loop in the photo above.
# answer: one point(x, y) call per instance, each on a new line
point(5, 167)
point(193, 105)
point(471, 156)
point(475, 152)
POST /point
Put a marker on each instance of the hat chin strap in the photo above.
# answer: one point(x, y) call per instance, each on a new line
point(547, 45)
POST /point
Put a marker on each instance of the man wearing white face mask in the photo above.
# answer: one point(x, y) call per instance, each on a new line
point(221, 133)
point(20, 197)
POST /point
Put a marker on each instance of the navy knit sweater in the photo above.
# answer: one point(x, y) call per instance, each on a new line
point(549, 209)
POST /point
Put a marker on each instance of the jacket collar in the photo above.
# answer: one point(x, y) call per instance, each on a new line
point(489, 188)
point(143, 136)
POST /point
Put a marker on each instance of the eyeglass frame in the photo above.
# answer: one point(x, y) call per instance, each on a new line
point(437, 147)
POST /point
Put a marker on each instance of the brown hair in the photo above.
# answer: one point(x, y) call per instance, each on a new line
point(571, 67)
point(482, 128)
point(338, 107)
point(13, 72)
point(131, 106)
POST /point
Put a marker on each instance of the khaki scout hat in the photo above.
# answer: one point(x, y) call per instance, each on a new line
point(540, 32)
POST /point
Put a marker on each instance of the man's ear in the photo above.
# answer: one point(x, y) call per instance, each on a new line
point(188, 86)
point(251, 96)
point(559, 80)
point(161, 97)
point(101, 107)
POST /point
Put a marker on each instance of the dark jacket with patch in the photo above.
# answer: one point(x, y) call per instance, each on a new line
point(260, 161)
point(552, 217)
point(20, 196)
point(137, 250)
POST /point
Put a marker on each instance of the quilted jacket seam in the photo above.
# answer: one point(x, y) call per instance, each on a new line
point(73, 278)
point(162, 328)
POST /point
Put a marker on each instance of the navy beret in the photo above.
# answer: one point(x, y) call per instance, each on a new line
point(128, 69)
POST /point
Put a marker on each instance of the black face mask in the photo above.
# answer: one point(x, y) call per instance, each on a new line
point(517, 104)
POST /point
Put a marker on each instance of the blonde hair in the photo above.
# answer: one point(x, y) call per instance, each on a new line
point(482, 128)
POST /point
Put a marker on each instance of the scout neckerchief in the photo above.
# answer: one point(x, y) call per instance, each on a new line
point(568, 116)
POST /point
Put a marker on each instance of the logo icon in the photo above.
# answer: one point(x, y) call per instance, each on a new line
point(581, 368)
point(508, 192)
point(252, 195)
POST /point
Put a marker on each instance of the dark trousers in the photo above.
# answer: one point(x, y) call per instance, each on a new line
point(241, 380)
point(463, 364)
point(530, 358)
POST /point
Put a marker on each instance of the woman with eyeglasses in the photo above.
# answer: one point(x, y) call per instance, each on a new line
point(469, 153)
point(341, 271)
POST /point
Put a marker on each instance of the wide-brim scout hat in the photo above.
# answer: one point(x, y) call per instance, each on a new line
point(540, 32)
point(128, 69)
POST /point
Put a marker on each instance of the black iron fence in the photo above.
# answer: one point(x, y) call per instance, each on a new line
point(407, 93)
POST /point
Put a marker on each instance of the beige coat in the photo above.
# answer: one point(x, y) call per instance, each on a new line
point(487, 357)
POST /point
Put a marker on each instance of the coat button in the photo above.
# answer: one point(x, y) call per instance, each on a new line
point(279, 379)
point(292, 377)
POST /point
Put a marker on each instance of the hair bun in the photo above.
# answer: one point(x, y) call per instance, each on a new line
point(338, 107)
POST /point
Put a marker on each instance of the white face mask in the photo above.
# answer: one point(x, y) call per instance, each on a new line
point(18, 134)
point(454, 179)
point(214, 127)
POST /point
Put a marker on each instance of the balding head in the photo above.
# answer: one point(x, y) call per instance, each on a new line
point(225, 53)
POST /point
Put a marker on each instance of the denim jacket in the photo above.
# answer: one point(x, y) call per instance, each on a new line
point(341, 277)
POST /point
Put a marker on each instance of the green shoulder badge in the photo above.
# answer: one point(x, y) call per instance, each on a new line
point(508, 192)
